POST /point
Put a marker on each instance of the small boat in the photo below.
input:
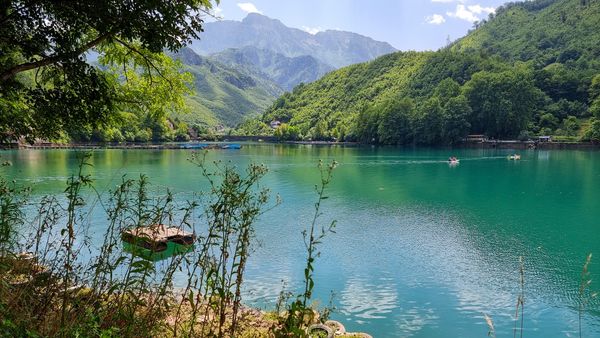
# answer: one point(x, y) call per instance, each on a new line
point(156, 242)
point(453, 160)
point(514, 157)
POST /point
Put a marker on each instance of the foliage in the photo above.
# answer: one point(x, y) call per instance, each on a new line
point(286, 132)
point(253, 127)
point(12, 200)
point(502, 103)
point(47, 86)
point(299, 314)
point(592, 133)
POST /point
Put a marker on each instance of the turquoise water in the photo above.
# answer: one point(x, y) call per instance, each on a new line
point(422, 249)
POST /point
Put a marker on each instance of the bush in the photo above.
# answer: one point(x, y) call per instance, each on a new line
point(143, 135)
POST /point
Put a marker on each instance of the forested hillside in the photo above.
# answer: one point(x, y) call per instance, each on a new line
point(224, 94)
point(532, 69)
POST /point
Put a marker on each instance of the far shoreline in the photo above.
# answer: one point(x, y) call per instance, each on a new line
point(226, 139)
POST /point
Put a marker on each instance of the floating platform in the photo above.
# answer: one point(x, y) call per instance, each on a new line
point(157, 242)
point(211, 146)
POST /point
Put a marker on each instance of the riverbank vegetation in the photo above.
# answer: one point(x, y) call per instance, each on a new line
point(59, 280)
point(531, 69)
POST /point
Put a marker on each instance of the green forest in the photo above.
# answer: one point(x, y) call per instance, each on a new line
point(531, 69)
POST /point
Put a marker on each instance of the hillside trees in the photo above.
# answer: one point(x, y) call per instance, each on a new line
point(394, 125)
point(456, 115)
point(502, 103)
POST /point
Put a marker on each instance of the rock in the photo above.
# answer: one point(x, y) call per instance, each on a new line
point(337, 327)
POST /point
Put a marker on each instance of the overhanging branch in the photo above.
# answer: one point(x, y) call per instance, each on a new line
point(53, 59)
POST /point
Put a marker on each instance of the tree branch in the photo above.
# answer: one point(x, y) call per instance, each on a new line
point(53, 59)
point(148, 61)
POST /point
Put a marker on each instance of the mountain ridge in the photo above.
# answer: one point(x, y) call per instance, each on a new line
point(287, 72)
point(335, 48)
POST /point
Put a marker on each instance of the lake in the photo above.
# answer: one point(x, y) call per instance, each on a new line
point(421, 249)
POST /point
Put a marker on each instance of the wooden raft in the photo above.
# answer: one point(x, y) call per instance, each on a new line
point(157, 237)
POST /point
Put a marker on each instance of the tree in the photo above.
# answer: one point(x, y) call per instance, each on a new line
point(560, 82)
point(254, 127)
point(594, 91)
point(502, 102)
point(366, 124)
point(395, 121)
point(593, 132)
point(429, 122)
point(456, 124)
point(46, 85)
point(447, 89)
point(548, 121)
point(285, 132)
point(595, 97)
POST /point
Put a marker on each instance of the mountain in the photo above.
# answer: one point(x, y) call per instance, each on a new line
point(334, 48)
point(224, 94)
point(527, 71)
point(287, 72)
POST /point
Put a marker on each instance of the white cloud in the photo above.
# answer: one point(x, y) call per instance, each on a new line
point(312, 30)
point(248, 7)
point(470, 13)
point(435, 19)
point(478, 9)
point(218, 12)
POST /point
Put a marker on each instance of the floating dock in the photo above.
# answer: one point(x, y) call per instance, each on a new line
point(157, 241)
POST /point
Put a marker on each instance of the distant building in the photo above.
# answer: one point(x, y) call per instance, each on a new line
point(275, 124)
point(545, 138)
point(476, 138)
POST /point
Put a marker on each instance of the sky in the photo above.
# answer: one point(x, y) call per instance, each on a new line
point(405, 24)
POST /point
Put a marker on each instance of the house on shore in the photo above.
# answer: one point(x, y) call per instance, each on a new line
point(275, 124)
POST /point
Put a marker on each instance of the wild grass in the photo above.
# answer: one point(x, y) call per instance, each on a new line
point(584, 296)
point(520, 307)
point(55, 282)
point(300, 315)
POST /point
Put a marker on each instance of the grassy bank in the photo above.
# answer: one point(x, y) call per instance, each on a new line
point(56, 282)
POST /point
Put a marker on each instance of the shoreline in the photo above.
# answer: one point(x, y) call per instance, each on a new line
point(517, 145)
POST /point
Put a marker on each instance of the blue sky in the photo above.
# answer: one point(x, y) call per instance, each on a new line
point(406, 24)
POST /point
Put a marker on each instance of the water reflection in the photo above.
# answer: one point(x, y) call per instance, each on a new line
point(365, 298)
